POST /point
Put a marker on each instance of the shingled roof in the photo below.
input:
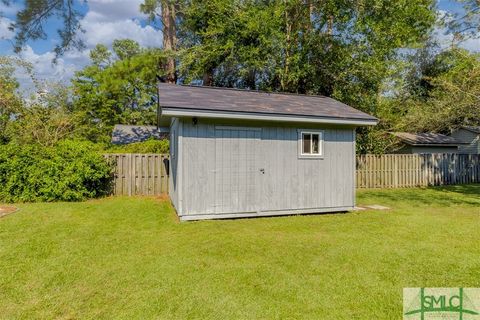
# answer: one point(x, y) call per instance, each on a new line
point(124, 134)
point(176, 98)
point(475, 129)
point(427, 139)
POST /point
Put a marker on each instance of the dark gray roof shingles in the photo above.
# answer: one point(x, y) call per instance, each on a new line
point(123, 134)
point(475, 129)
point(425, 139)
point(235, 100)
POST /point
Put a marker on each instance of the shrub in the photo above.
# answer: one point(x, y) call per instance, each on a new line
point(68, 171)
point(148, 146)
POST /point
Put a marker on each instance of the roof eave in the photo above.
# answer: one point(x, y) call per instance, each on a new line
point(434, 144)
point(178, 112)
point(473, 130)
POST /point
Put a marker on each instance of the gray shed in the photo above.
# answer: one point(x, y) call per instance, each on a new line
point(470, 136)
point(420, 143)
point(238, 153)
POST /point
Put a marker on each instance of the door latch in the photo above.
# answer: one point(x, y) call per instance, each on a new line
point(262, 171)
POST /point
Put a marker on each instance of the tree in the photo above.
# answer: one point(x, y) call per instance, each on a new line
point(123, 91)
point(465, 24)
point(229, 43)
point(346, 50)
point(46, 119)
point(32, 19)
point(166, 12)
point(323, 47)
point(100, 56)
point(10, 100)
point(452, 99)
point(125, 48)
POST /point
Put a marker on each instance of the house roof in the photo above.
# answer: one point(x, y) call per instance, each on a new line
point(474, 129)
point(123, 134)
point(180, 100)
point(427, 139)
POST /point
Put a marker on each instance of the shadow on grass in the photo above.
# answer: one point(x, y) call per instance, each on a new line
point(439, 196)
point(465, 189)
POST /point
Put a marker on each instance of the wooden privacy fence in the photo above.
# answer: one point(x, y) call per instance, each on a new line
point(139, 174)
point(147, 174)
point(412, 170)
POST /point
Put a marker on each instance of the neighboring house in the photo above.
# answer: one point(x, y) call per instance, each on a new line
point(417, 143)
point(124, 134)
point(470, 135)
point(238, 153)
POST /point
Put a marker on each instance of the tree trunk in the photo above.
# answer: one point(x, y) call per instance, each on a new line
point(330, 25)
point(286, 66)
point(330, 32)
point(311, 8)
point(208, 78)
point(250, 80)
point(169, 39)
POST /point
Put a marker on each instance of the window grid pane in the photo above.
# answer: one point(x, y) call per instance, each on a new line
point(315, 144)
point(306, 143)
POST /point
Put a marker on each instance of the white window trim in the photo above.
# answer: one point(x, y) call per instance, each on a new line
point(321, 135)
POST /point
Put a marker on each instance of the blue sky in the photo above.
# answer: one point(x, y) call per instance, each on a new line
point(449, 5)
point(107, 20)
point(104, 21)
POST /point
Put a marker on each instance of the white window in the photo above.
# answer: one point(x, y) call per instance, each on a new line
point(311, 143)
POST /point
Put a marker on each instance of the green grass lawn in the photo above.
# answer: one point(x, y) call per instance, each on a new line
point(131, 258)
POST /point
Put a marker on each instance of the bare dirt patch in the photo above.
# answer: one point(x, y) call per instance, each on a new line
point(6, 210)
point(371, 207)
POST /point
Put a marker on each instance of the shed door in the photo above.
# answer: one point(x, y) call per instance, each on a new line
point(237, 172)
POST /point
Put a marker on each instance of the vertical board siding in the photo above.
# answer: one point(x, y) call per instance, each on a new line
point(414, 170)
point(222, 162)
point(139, 174)
point(236, 171)
point(292, 182)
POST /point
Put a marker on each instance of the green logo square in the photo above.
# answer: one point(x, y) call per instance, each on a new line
point(441, 303)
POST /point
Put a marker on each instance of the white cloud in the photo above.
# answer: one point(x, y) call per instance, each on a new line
point(9, 10)
point(114, 10)
point(446, 39)
point(45, 70)
point(106, 32)
point(105, 21)
point(471, 44)
point(5, 34)
point(108, 20)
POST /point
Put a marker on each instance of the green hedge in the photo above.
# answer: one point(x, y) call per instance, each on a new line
point(70, 171)
point(148, 146)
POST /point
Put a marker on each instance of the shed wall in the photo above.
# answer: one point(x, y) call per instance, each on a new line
point(290, 183)
point(173, 164)
point(472, 138)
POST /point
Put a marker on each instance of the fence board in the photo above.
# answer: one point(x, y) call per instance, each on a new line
point(139, 174)
point(413, 170)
